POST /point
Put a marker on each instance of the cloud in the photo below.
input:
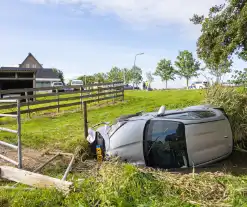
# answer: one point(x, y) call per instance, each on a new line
point(142, 11)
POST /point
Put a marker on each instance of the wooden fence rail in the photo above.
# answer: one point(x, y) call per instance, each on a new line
point(31, 101)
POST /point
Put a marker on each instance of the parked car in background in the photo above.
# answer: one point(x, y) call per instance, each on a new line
point(228, 84)
point(57, 86)
point(199, 85)
point(193, 136)
point(128, 87)
point(77, 84)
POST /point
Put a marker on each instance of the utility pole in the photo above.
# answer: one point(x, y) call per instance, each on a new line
point(135, 61)
point(135, 58)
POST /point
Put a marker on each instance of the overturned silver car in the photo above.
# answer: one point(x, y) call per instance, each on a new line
point(192, 136)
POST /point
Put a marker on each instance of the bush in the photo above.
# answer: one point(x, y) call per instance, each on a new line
point(234, 102)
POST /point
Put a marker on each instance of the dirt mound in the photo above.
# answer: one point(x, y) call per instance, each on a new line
point(31, 160)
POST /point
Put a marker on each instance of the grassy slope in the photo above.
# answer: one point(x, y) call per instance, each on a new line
point(66, 131)
point(123, 184)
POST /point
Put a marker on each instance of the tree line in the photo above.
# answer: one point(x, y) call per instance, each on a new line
point(116, 74)
point(186, 66)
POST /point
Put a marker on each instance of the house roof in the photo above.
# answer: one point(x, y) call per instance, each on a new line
point(46, 73)
point(31, 55)
point(40, 72)
point(16, 69)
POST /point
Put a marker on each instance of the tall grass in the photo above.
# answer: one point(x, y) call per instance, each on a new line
point(234, 102)
point(124, 185)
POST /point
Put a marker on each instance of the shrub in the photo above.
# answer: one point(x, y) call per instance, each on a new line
point(234, 102)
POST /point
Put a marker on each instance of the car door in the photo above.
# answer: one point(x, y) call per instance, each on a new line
point(165, 144)
point(208, 141)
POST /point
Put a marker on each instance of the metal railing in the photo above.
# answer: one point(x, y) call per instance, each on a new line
point(17, 116)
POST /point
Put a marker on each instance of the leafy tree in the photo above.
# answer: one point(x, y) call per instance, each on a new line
point(165, 70)
point(87, 79)
point(187, 66)
point(218, 70)
point(136, 74)
point(150, 78)
point(100, 77)
point(240, 77)
point(115, 74)
point(60, 74)
point(223, 33)
point(126, 73)
point(69, 83)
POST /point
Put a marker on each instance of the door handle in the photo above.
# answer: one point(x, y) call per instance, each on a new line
point(225, 137)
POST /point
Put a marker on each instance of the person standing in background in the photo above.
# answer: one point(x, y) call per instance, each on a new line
point(147, 85)
point(144, 85)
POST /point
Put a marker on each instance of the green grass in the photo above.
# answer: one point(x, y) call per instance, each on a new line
point(65, 131)
point(116, 184)
point(124, 185)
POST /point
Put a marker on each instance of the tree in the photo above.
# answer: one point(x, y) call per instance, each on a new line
point(136, 74)
point(187, 66)
point(223, 33)
point(115, 74)
point(60, 74)
point(165, 70)
point(100, 77)
point(87, 79)
point(218, 70)
point(240, 77)
point(126, 73)
point(150, 78)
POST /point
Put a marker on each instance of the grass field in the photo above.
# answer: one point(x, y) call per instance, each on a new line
point(66, 131)
point(116, 184)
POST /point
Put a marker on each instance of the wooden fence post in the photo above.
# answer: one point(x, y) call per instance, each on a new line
point(114, 93)
point(81, 89)
point(27, 101)
point(85, 119)
point(123, 93)
point(58, 104)
point(98, 94)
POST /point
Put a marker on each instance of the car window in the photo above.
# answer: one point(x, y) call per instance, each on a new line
point(163, 129)
point(192, 115)
point(58, 84)
point(77, 82)
point(165, 143)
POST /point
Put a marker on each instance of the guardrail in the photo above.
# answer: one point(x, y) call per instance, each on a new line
point(62, 97)
point(17, 116)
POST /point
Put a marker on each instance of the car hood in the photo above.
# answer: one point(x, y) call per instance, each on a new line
point(103, 131)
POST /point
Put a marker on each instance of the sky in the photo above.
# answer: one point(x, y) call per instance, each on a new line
point(83, 37)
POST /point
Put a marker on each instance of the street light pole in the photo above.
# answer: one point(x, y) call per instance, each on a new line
point(135, 58)
point(135, 61)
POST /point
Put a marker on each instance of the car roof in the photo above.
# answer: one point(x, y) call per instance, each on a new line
point(154, 115)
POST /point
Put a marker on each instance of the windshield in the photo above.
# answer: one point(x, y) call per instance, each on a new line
point(78, 82)
point(58, 84)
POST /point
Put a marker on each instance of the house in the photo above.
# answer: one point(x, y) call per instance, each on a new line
point(30, 69)
point(44, 76)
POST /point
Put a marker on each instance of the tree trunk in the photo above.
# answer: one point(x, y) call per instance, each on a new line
point(218, 79)
point(187, 83)
point(166, 84)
